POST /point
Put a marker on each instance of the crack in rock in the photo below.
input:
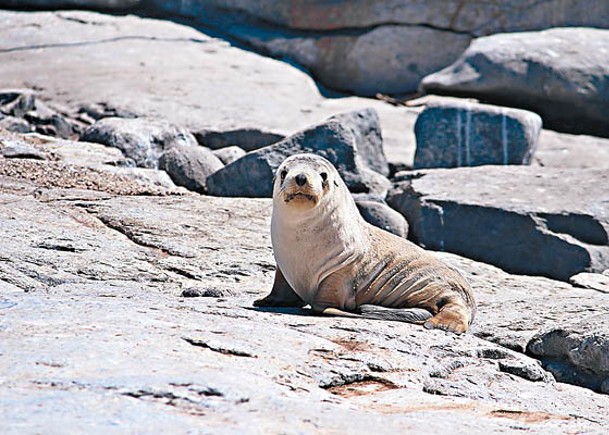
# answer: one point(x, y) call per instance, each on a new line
point(216, 347)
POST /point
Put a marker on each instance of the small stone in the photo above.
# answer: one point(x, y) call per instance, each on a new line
point(381, 215)
point(189, 166)
point(593, 281)
point(229, 154)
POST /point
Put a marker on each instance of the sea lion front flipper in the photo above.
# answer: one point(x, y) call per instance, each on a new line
point(282, 295)
point(409, 315)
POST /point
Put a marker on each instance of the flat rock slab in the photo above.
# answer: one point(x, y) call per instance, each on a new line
point(104, 277)
point(174, 73)
point(458, 133)
point(534, 221)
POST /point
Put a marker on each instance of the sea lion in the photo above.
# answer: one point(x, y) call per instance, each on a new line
point(330, 258)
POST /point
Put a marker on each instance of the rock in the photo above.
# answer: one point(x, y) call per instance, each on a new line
point(562, 150)
point(455, 133)
point(125, 262)
point(212, 86)
point(337, 140)
point(13, 124)
point(560, 74)
point(477, 19)
point(248, 139)
point(576, 353)
point(11, 149)
point(528, 220)
point(102, 5)
point(383, 216)
point(229, 154)
point(359, 46)
point(365, 62)
point(366, 128)
point(139, 139)
point(190, 166)
point(593, 281)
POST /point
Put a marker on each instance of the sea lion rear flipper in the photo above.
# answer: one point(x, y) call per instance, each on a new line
point(282, 295)
point(409, 315)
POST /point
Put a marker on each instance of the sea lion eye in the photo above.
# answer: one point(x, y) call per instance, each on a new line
point(324, 176)
point(283, 174)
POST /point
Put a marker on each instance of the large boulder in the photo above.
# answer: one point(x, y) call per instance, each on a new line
point(141, 140)
point(528, 220)
point(352, 142)
point(562, 74)
point(374, 46)
point(459, 133)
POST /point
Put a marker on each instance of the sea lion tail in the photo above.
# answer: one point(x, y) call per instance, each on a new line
point(408, 315)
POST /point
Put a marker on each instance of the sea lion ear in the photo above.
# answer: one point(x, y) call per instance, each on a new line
point(336, 183)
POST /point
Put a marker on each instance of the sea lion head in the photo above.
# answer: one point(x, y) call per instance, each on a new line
point(302, 181)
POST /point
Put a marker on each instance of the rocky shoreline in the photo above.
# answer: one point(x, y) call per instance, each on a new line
point(136, 158)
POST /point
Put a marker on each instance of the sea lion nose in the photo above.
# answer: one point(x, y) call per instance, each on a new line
point(300, 179)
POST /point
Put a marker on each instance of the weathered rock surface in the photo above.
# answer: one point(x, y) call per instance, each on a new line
point(76, 264)
point(561, 74)
point(455, 133)
point(165, 71)
point(576, 351)
point(189, 166)
point(141, 140)
point(562, 150)
point(594, 281)
point(528, 220)
point(379, 45)
point(349, 141)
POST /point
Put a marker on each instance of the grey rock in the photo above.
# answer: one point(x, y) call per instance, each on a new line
point(576, 352)
point(20, 150)
point(479, 19)
point(102, 5)
point(383, 216)
point(248, 139)
point(365, 62)
point(455, 133)
point(190, 166)
point(560, 74)
point(336, 140)
point(229, 154)
point(528, 220)
point(125, 261)
point(139, 139)
point(366, 128)
point(562, 150)
point(211, 86)
point(359, 46)
point(16, 125)
point(593, 281)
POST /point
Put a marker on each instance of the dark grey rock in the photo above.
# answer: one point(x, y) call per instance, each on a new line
point(16, 125)
point(189, 166)
point(248, 139)
point(139, 139)
point(252, 175)
point(528, 220)
point(383, 216)
point(366, 128)
point(229, 154)
point(455, 133)
point(577, 353)
point(561, 74)
point(17, 102)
